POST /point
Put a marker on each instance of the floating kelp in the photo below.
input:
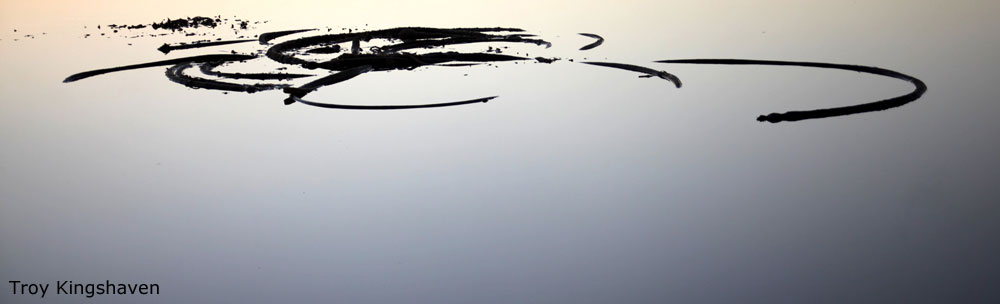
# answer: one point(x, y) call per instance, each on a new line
point(918, 90)
point(386, 62)
point(325, 50)
point(644, 70)
point(325, 81)
point(599, 41)
point(411, 37)
point(266, 38)
point(409, 48)
point(176, 74)
point(166, 48)
point(391, 107)
point(208, 68)
point(200, 58)
point(179, 24)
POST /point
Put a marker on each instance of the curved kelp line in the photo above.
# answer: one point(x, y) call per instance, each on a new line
point(176, 74)
point(885, 104)
point(385, 62)
point(208, 68)
point(279, 52)
point(599, 41)
point(325, 50)
point(166, 48)
point(301, 91)
point(200, 58)
point(267, 37)
point(392, 107)
point(644, 70)
point(460, 40)
point(409, 48)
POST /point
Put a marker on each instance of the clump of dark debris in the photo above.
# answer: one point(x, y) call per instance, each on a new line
point(182, 23)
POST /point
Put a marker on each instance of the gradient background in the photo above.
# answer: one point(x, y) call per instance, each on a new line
point(580, 184)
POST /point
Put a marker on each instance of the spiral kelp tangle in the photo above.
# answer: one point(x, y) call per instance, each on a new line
point(392, 57)
point(918, 88)
point(409, 48)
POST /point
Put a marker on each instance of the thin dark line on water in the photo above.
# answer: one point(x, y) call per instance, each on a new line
point(459, 40)
point(199, 58)
point(392, 107)
point(166, 48)
point(919, 88)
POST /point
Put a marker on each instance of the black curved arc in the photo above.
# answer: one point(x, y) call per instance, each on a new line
point(338, 77)
point(634, 68)
point(200, 58)
point(208, 68)
point(278, 52)
point(459, 40)
point(398, 61)
point(919, 88)
point(599, 41)
point(265, 38)
point(176, 74)
point(391, 107)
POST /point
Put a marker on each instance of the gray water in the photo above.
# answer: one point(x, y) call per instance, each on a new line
point(579, 184)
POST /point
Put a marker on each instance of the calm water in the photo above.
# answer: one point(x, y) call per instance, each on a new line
point(579, 184)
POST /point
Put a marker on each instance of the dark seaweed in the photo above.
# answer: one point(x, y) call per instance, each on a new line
point(179, 24)
point(265, 38)
point(644, 70)
point(176, 74)
point(328, 80)
point(166, 48)
point(918, 90)
point(208, 68)
point(391, 107)
point(397, 56)
point(200, 58)
point(599, 41)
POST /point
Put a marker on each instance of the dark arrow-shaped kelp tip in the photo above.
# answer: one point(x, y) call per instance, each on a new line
point(918, 90)
point(166, 48)
point(634, 68)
